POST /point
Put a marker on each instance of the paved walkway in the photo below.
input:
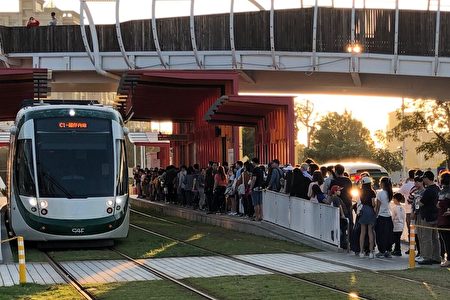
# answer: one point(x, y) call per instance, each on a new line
point(107, 271)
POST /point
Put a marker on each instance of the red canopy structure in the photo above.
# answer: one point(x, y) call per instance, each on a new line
point(17, 85)
point(206, 107)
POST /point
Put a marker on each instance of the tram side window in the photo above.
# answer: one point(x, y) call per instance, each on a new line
point(25, 168)
point(122, 180)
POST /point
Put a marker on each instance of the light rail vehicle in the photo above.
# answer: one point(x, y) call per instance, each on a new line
point(68, 173)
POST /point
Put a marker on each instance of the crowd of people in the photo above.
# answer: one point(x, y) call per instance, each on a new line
point(369, 218)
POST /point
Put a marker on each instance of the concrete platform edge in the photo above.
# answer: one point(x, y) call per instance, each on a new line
point(242, 225)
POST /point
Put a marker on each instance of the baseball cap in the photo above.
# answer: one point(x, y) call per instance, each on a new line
point(366, 180)
point(335, 188)
point(429, 175)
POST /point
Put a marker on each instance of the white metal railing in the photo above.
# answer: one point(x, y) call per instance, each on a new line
point(320, 221)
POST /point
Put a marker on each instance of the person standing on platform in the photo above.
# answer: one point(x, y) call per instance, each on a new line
point(444, 218)
point(429, 242)
point(346, 184)
point(256, 188)
point(220, 184)
point(398, 219)
point(209, 185)
point(384, 225)
point(405, 190)
point(367, 217)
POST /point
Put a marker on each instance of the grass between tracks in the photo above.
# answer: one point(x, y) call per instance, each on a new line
point(217, 238)
point(430, 275)
point(377, 286)
point(39, 292)
point(262, 287)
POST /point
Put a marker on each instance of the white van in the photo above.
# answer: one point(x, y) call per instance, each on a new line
point(354, 170)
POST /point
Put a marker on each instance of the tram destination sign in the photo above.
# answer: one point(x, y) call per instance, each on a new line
point(173, 137)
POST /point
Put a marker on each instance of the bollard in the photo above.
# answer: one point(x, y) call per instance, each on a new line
point(412, 245)
point(22, 269)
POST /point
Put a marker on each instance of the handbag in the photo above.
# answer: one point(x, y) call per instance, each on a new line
point(241, 189)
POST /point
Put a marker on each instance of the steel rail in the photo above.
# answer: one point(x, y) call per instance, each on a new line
point(164, 275)
point(69, 278)
point(271, 270)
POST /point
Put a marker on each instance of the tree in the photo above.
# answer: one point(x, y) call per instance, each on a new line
point(340, 137)
point(427, 116)
point(304, 113)
point(391, 161)
point(248, 142)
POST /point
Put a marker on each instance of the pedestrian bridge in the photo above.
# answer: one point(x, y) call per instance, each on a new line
point(404, 52)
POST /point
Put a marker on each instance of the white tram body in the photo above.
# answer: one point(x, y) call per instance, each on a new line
point(68, 174)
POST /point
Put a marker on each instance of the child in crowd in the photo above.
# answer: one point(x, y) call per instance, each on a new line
point(398, 218)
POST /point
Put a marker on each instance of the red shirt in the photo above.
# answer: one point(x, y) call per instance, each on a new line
point(33, 24)
point(220, 181)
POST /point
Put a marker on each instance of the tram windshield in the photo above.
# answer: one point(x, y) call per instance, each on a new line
point(74, 157)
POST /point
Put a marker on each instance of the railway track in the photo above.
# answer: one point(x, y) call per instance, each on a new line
point(69, 278)
point(385, 273)
point(163, 275)
point(261, 267)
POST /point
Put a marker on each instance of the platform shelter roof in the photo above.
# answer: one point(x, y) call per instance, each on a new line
point(17, 85)
point(171, 95)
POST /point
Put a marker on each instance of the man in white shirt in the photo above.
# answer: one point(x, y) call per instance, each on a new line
point(405, 190)
point(53, 20)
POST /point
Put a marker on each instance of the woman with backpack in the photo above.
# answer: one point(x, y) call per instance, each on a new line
point(244, 192)
point(315, 193)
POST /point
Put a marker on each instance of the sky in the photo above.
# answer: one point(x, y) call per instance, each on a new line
point(372, 111)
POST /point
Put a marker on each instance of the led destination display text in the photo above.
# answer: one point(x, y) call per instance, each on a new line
point(73, 125)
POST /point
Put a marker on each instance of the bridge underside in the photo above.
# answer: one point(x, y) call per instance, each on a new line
point(286, 82)
point(206, 109)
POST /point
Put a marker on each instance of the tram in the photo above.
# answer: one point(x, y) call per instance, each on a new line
point(67, 173)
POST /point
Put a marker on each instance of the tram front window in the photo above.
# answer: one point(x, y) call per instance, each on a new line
point(74, 162)
point(24, 169)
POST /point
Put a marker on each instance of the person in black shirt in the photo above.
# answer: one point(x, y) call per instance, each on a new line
point(346, 185)
point(256, 188)
point(209, 185)
point(429, 239)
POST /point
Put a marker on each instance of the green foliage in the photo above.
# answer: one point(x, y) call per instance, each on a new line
point(427, 116)
point(248, 141)
point(304, 113)
point(391, 161)
point(340, 137)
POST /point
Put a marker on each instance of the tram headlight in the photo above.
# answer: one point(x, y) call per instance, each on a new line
point(43, 204)
point(109, 203)
point(32, 201)
point(72, 112)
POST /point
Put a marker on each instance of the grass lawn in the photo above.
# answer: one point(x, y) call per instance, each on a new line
point(377, 286)
point(438, 276)
point(39, 292)
point(217, 238)
point(144, 290)
point(261, 287)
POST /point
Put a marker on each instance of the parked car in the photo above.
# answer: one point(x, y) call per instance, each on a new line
point(354, 170)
